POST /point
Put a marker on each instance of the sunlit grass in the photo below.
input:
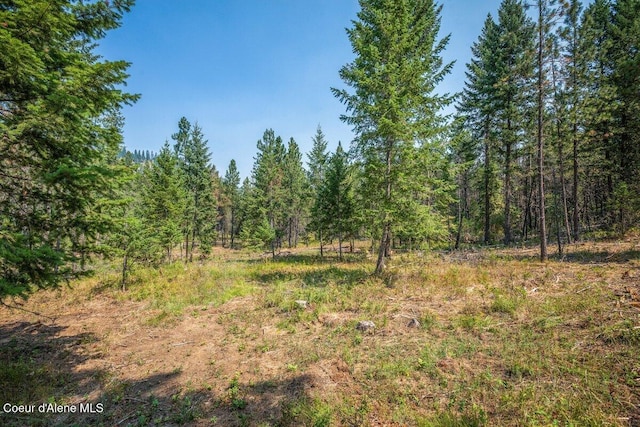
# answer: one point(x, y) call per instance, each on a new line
point(502, 339)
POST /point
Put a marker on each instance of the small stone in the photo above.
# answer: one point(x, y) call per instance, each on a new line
point(365, 326)
point(301, 303)
point(413, 323)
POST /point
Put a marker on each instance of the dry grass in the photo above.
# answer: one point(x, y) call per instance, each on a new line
point(502, 340)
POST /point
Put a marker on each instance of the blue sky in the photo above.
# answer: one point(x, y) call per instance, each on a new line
point(238, 67)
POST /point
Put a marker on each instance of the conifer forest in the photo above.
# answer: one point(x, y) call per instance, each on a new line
point(467, 259)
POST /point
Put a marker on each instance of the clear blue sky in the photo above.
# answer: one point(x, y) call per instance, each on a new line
point(238, 67)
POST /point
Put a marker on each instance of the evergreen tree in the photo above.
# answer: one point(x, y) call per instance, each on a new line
point(316, 164)
point(464, 149)
point(478, 107)
point(599, 101)
point(625, 65)
point(547, 14)
point(57, 138)
point(573, 93)
point(198, 177)
point(317, 160)
point(244, 212)
point(336, 198)
point(393, 108)
point(512, 89)
point(231, 190)
point(163, 199)
point(296, 189)
point(134, 238)
point(266, 223)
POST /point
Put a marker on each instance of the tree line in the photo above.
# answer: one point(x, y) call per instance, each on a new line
point(547, 126)
point(178, 203)
point(543, 144)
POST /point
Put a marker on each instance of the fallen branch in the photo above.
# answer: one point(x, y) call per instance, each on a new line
point(14, 307)
point(126, 418)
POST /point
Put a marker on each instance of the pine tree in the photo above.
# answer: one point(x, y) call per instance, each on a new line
point(231, 189)
point(194, 160)
point(296, 189)
point(316, 164)
point(464, 148)
point(336, 207)
point(596, 156)
point(478, 107)
point(392, 107)
point(134, 239)
point(57, 139)
point(547, 14)
point(163, 199)
point(573, 93)
point(514, 70)
point(267, 222)
point(625, 65)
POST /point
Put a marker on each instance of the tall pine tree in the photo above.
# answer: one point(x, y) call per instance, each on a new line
point(231, 190)
point(57, 137)
point(317, 160)
point(336, 198)
point(393, 107)
point(199, 216)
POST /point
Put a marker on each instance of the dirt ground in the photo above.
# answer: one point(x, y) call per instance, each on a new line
point(104, 353)
point(226, 365)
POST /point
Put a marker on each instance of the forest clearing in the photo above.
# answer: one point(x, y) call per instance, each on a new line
point(489, 337)
point(384, 274)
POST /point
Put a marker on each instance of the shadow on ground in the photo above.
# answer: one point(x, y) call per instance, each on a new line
point(320, 277)
point(582, 256)
point(41, 364)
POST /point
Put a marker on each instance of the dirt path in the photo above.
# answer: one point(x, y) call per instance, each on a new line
point(223, 362)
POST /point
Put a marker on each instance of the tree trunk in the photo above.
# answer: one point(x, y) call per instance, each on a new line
point(459, 231)
point(507, 190)
point(560, 142)
point(563, 188)
point(125, 259)
point(541, 203)
point(461, 203)
point(186, 248)
point(384, 248)
point(576, 218)
point(487, 195)
point(385, 241)
point(232, 230)
point(556, 210)
point(193, 245)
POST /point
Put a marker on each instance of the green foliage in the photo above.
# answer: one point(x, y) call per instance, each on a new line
point(296, 198)
point(231, 201)
point(276, 201)
point(163, 199)
point(334, 209)
point(199, 213)
point(317, 164)
point(59, 131)
point(393, 108)
point(496, 108)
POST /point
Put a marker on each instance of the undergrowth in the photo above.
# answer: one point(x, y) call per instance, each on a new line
point(498, 339)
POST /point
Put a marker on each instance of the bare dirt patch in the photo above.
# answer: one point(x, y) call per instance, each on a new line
point(500, 339)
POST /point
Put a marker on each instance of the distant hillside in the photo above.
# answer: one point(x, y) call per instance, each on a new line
point(138, 156)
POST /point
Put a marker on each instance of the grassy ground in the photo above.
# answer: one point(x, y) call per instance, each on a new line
point(462, 339)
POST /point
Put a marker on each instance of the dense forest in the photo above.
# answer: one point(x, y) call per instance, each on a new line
point(543, 148)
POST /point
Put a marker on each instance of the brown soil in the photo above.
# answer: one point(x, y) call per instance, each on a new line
point(227, 364)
